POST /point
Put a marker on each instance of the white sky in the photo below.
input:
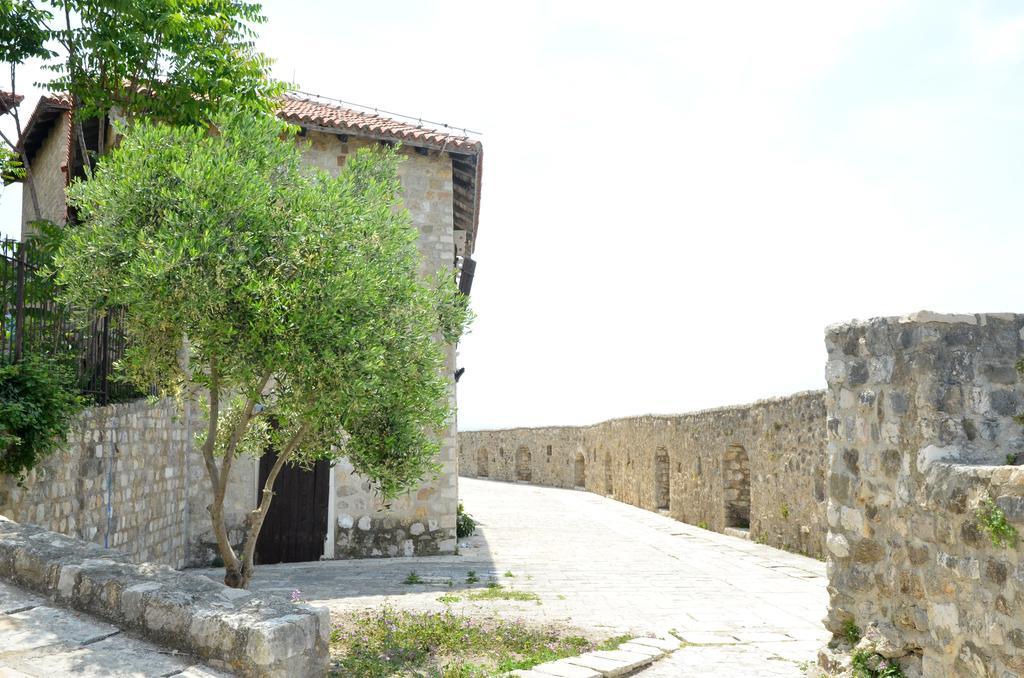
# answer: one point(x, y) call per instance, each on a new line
point(679, 197)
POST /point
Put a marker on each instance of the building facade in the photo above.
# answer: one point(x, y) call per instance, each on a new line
point(100, 487)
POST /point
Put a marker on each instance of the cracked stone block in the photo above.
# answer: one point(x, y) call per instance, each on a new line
point(121, 656)
point(636, 648)
point(564, 669)
point(42, 626)
point(632, 659)
point(607, 667)
point(666, 644)
point(15, 600)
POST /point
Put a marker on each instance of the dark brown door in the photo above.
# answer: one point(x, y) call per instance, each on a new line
point(296, 524)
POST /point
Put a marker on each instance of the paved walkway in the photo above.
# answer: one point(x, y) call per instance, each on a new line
point(37, 639)
point(605, 568)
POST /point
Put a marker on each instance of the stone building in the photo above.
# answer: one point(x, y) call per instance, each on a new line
point(130, 477)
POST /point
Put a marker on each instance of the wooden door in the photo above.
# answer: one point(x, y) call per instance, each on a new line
point(296, 524)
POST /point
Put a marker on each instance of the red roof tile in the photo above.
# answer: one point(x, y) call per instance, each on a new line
point(309, 112)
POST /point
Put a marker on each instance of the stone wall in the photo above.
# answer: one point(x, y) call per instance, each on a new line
point(120, 482)
point(921, 436)
point(758, 466)
point(246, 633)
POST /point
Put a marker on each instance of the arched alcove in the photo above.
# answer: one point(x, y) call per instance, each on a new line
point(736, 486)
point(482, 463)
point(662, 480)
point(524, 467)
point(579, 471)
point(609, 488)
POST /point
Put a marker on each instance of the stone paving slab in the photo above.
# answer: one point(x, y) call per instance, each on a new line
point(38, 640)
point(602, 568)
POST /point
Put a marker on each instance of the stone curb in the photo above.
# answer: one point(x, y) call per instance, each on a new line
point(632, 655)
point(246, 633)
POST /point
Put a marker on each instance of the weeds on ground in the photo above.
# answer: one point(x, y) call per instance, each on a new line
point(851, 632)
point(508, 573)
point(412, 578)
point(471, 577)
point(613, 642)
point(448, 598)
point(495, 592)
point(870, 665)
point(387, 643)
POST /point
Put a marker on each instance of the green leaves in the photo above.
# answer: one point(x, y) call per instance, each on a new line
point(38, 399)
point(179, 62)
point(268, 267)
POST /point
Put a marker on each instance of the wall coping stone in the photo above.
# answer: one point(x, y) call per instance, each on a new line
point(251, 634)
point(660, 417)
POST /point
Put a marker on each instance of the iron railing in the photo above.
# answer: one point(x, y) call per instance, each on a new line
point(33, 322)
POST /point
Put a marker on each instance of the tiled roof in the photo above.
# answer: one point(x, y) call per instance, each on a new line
point(9, 100)
point(309, 112)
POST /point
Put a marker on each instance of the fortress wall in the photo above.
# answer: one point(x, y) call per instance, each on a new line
point(759, 465)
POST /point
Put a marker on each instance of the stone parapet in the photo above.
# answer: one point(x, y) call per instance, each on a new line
point(246, 633)
point(757, 467)
point(922, 449)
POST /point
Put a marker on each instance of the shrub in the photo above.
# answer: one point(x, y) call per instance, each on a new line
point(993, 522)
point(38, 399)
point(465, 526)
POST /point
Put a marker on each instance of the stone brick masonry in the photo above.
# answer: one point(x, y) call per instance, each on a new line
point(119, 482)
point(759, 466)
point(920, 435)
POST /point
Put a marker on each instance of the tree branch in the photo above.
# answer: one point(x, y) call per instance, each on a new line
point(239, 431)
point(257, 516)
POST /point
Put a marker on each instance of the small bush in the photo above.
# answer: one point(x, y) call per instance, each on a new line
point(851, 632)
point(38, 399)
point(993, 521)
point(465, 526)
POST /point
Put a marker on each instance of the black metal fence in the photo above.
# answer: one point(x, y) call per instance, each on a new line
point(32, 322)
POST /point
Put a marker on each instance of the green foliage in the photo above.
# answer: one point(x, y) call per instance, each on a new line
point(465, 526)
point(784, 511)
point(180, 62)
point(443, 644)
point(448, 599)
point(867, 664)
point(412, 578)
point(23, 31)
point(11, 167)
point(494, 591)
point(296, 291)
point(992, 520)
point(702, 525)
point(508, 573)
point(38, 399)
point(1011, 459)
point(851, 632)
point(471, 577)
point(613, 642)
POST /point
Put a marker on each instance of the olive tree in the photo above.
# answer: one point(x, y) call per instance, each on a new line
point(296, 296)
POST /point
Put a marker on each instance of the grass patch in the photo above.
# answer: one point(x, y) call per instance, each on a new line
point(471, 577)
point(497, 593)
point(613, 642)
point(449, 599)
point(508, 573)
point(387, 643)
point(412, 578)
